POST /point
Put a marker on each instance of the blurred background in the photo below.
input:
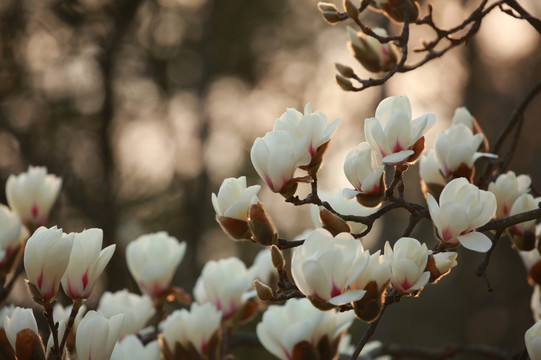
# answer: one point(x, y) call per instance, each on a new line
point(143, 107)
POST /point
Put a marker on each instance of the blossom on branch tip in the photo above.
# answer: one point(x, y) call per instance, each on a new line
point(276, 156)
point(373, 55)
point(86, 263)
point(393, 134)
point(325, 266)
point(22, 329)
point(365, 172)
point(46, 258)
point(507, 188)
point(32, 194)
point(131, 348)
point(96, 336)
point(312, 125)
point(440, 264)
point(296, 330)
point(153, 259)
point(223, 283)
point(462, 208)
point(408, 265)
point(431, 178)
point(11, 233)
point(198, 328)
point(524, 233)
point(231, 206)
point(463, 116)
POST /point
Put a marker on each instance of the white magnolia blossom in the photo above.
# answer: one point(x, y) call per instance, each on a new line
point(445, 261)
point(19, 320)
point(96, 336)
point(458, 146)
point(196, 326)
point(131, 348)
point(463, 116)
point(233, 199)
point(532, 338)
point(462, 208)
point(523, 203)
point(46, 258)
point(408, 264)
point(153, 259)
point(284, 326)
point(310, 124)
point(372, 54)
point(378, 270)
point(277, 155)
point(507, 188)
point(429, 169)
point(6, 311)
point(392, 133)
point(86, 264)
point(342, 205)
point(363, 170)
point(223, 283)
point(530, 258)
point(325, 266)
point(32, 194)
point(10, 233)
point(137, 309)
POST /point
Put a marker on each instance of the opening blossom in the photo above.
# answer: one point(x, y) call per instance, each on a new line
point(524, 233)
point(153, 259)
point(462, 208)
point(21, 320)
point(86, 263)
point(373, 55)
point(408, 265)
point(32, 194)
point(96, 336)
point(276, 156)
point(223, 283)
point(393, 134)
point(231, 206)
point(199, 327)
point(325, 266)
point(285, 326)
point(131, 348)
point(507, 188)
point(46, 258)
point(11, 230)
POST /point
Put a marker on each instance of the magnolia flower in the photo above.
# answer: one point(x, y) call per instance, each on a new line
point(20, 320)
point(10, 233)
point(153, 259)
point(232, 204)
point(137, 309)
point(456, 149)
point(440, 264)
point(310, 124)
point(297, 321)
point(200, 327)
point(507, 188)
point(223, 283)
point(408, 265)
point(321, 217)
point(276, 156)
point(463, 116)
point(32, 194)
point(131, 348)
point(532, 338)
point(431, 178)
point(373, 55)
point(325, 266)
point(46, 258)
point(262, 268)
point(86, 263)
point(364, 171)
point(462, 208)
point(96, 336)
point(393, 134)
point(523, 234)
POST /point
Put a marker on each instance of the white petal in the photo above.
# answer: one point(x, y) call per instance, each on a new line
point(475, 241)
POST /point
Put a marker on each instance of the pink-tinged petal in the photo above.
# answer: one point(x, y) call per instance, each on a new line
point(434, 210)
point(347, 297)
point(422, 281)
point(475, 241)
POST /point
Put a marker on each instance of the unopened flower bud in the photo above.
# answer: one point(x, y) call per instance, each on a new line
point(263, 230)
point(323, 6)
point(333, 17)
point(264, 292)
point(394, 9)
point(277, 258)
point(344, 70)
point(523, 234)
point(344, 83)
point(440, 264)
point(351, 9)
point(369, 307)
point(333, 223)
point(373, 55)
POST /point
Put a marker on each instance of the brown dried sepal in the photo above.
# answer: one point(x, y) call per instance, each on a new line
point(236, 229)
point(320, 303)
point(484, 146)
point(29, 346)
point(334, 224)
point(395, 11)
point(6, 352)
point(434, 189)
point(261, 226)
point(417, 148)
point(534, 276)
point(179, 294)
point(462, 171)
point(369, 307)
point(435, 274)
point(524, 242)
point(189, 352)
point(373, 199)
point(314, 165)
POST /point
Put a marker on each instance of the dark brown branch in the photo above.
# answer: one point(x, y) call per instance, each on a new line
point(482, 269)
point(523, 14)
